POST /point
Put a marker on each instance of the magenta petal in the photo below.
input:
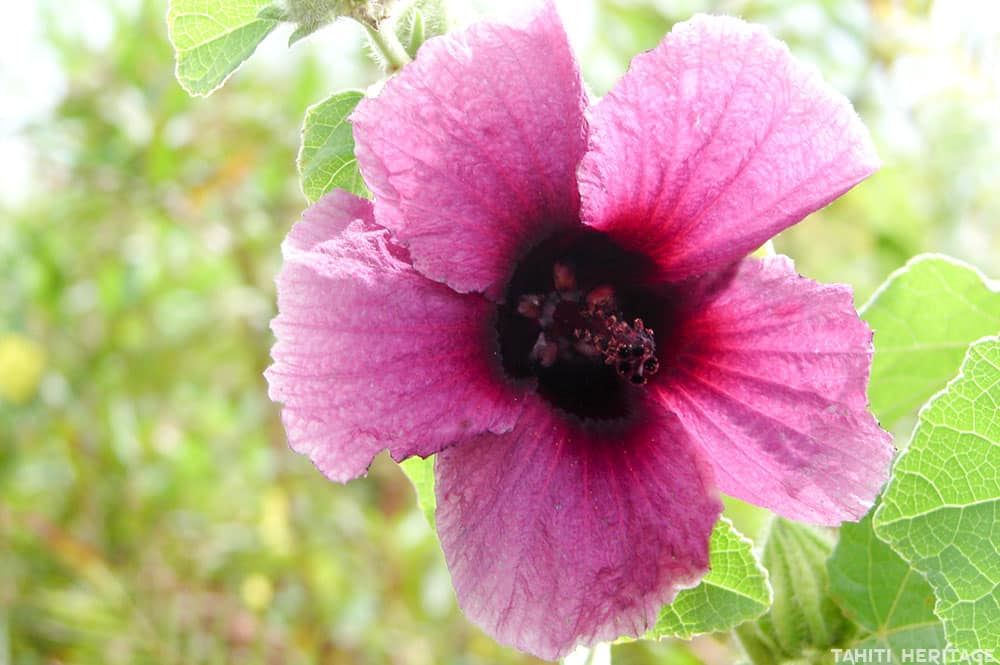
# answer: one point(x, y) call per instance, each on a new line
point(715, 141)
point(370, 354)
point(472, 149)
point(771, 383)
point(558, 535)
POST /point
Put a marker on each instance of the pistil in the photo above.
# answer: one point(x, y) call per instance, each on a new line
point(577, 326)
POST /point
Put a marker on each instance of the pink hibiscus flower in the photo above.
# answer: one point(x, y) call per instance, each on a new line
point(554, 298)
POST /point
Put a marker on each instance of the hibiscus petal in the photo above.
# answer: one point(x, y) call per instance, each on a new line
point(560, 534)
point(715, 141)
point(770, 378)
point(370, 354)
point(472, 149)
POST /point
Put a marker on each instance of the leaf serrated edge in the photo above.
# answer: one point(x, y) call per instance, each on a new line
point(170, 18)
point(743, 538)
point(312, 109)
point(877, 523)
point(893, 478)
point(754, 555)
point(991, 284)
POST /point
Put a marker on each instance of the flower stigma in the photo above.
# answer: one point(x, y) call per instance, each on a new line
point(573, 320)
point(599, 331)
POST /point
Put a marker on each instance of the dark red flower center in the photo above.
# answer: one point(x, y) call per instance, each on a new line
point(573, 325)
point(575, 318)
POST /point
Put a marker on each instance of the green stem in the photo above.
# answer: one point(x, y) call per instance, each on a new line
point(384, 39)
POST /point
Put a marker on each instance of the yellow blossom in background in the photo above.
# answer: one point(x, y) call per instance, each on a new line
point(274, 527)
point(22, 361)
point(257, 592)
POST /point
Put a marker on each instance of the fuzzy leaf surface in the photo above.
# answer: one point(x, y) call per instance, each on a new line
point(212, 38)
point(736, 590)
point(878, 590)
point(925, 316)
point(326, 159)
point(941, 510)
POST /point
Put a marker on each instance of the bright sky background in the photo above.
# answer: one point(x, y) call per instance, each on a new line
point(31, 80)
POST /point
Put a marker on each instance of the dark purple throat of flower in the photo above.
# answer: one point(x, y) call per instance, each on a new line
point(575, 318)
point(574, 325)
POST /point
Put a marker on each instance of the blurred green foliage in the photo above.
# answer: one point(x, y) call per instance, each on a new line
point(150, 511)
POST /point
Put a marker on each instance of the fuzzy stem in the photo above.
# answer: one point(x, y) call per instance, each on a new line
point(384, 39)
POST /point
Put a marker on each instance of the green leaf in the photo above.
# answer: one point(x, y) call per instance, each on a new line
point(273, 13)
point(421, 474)
point(803, 621)
point(878, 590)
point(736, 590)
point(212, 38)
point(311, 15)
point(326, 159)
point(301, 33)
point(924, 317)
point(941, 509)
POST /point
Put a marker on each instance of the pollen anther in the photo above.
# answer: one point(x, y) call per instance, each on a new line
point(588, 327)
